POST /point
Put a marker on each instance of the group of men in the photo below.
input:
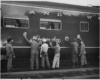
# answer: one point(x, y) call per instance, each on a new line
point(43, 46)
point(40, 48)
point(78, 51)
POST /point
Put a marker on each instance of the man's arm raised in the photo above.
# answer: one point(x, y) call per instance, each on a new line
point(25, 34)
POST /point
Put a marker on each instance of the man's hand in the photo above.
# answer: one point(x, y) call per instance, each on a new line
point(25, 34)
point(2, 57)
point(40, 55)
point(14, 57)
point(66, 38)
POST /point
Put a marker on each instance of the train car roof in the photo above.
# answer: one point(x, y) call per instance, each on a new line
point(54, 5)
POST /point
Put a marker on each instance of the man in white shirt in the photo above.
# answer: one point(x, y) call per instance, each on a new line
point(44, 54)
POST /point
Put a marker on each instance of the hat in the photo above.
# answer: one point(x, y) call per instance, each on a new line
point(78, 35)
point(66, 38)
point(34, 37)
point(9, 39)
point(44, 40)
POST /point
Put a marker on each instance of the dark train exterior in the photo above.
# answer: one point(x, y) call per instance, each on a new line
point(66, 20)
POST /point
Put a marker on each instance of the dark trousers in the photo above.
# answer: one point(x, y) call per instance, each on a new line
point(45, 59)
point(9, 63)
point(79, 59)
point(75, 60)
point(34, 57)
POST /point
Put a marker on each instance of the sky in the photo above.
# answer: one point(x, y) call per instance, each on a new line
point(75, 2)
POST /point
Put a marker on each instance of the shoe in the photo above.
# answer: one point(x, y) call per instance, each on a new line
point(48, 67)
point(76, 66)
point(13, 69)
point(43, 68)
point(37, 68)
point(9, 71)
point(85, 65)
point(73, 66)
point(32, 69)
point(53, 68)
point(57, 67)
point(81, 66)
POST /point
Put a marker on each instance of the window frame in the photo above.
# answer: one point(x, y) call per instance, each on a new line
point(17, 18)
point(84, 22)
point(52, 20)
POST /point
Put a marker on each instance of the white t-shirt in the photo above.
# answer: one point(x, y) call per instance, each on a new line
point(44, 47)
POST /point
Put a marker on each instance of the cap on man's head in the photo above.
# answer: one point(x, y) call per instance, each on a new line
point(78, 35)
point(9, 39)
point(66, 38)
point(34, 37)
point(44, 40)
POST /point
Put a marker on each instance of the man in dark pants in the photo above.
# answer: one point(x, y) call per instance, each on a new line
point(79, 42)
point(83, 55)
point(74, 51)
point(10, 54)
point(34, 51)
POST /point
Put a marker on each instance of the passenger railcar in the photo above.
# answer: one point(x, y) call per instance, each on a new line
point(49, 20)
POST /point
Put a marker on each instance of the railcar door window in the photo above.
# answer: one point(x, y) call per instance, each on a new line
point(10, 22)
point(50, 24)
point(84, 26)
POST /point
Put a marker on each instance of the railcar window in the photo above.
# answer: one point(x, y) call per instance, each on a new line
point(50, 24)
point(15, 22)
point(84, 26)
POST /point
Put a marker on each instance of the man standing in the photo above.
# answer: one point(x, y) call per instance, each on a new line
point(83, 54)
point(56, 60)
point(44, 54)
point(79, 42)
point(74, 51)
point(10, 54)
point(34, 51)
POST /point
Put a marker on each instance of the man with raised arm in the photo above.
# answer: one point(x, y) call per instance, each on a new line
point(56, 60)
point(34, 51)
point(74, 51)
